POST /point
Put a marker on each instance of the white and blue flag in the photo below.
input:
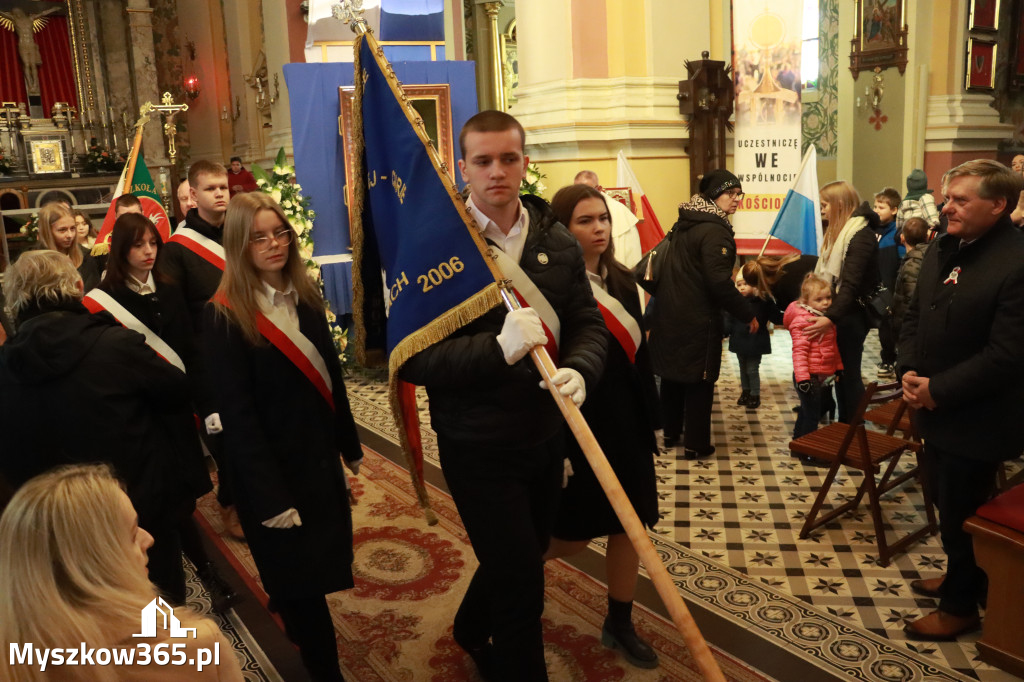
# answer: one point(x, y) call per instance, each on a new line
point(799, 221)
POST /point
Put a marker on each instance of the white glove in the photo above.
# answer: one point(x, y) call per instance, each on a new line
point(354, 465)
point(213, 423)
point(566, 472)
point(521, 332)
point(286, 519)
point(569, 383)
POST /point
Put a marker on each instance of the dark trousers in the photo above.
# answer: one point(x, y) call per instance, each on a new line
point(887, 340)
point(686, 409)
point(959, 486)
point(810, 409)
point(308, 624)
point(165, 567)
point(507, 498)
point(750, 376)
point(851, 330)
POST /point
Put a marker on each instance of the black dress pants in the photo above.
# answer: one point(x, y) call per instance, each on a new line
point(507, 498)
point(851, 330)
point(308, 624)
point(686, 411)
point(959, 486)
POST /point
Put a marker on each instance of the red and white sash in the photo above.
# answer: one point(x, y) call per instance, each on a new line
point(98, 300)
point(530, 297)
point(620, 323)
point(286, 337)
point(204, 247)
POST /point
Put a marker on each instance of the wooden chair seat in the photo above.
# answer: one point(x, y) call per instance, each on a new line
point(854, 446)
point(886, 416)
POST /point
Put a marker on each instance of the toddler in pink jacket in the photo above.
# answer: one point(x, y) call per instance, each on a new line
point(814, 360)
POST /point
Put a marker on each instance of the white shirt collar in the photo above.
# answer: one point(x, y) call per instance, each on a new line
point(511, 243)
point(598, 280)
point(144, 288)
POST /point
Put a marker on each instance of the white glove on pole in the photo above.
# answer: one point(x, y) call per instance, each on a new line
point(286, 519)
point(521, 332)
point(353, 466)
point(569, 383)
point(212, 423)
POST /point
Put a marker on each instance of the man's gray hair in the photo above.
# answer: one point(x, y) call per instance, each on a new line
point(586, 177)
point(41, 276)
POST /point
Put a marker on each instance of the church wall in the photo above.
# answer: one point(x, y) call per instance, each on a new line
point(209, 116)
point(878, 152)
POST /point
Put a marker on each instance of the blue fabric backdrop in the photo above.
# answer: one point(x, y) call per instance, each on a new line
point(319, 157)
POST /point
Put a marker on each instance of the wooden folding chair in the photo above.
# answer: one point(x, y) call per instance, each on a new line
point(854, 446)
point(896, 415)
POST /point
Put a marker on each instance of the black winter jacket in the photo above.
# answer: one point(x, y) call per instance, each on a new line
point(967, 338)
point(685, 316)
point(196, 277)
point(858, 277)
point(741, 341)
point(906, 284)
point(474, 394)
point(78, 388)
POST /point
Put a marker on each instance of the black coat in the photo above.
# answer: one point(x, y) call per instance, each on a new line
point(195, 276)
point(90, 269)
point(858, 276)
point(78, 388)
point(281, 447)
point(967, 338)
point(166, 315)
point(474, 394)
point(619, 409)
point(741, 341)
point(685, 318)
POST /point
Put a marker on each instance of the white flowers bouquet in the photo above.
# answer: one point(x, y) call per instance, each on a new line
point(532, 182)
point(281, 186)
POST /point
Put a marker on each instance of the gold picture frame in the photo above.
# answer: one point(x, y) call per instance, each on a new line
point(981, 65)
point(880, 36)
point(984, 16)
point(47, 156)
point(434, 105)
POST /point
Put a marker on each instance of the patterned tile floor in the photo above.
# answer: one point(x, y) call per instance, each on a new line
point(730, 528)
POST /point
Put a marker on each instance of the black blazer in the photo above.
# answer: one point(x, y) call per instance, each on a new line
point(281, 447)
point(967, 338)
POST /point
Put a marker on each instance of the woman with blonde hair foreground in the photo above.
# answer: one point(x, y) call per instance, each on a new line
point(286, 418)
point(58, 232)
point(73, 587)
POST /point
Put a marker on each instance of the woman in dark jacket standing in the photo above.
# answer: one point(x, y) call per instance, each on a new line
point(849, 260)
point(286, 418)
point(619, 409)
point(686, 322)
point(141, 300)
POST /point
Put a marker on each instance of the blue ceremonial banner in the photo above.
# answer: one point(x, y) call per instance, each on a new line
point(415, 255)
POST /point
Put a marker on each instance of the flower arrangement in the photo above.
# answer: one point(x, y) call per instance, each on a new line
point(98, 159)
point(31, 228)
point(281, 186)
point(5, 165)
point(532, 182)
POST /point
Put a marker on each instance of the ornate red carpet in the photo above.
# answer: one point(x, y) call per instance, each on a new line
point(396, 623)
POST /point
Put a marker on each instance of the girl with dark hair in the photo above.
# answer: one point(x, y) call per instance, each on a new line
point(619, 411)
point(135, 294)
point(286, 418)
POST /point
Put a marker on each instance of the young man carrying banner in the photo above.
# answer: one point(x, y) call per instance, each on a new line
point(500, 438)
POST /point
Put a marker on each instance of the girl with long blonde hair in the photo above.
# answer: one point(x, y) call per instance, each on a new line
point(58, 232)
point(73, 573)
point(849, 263)
point(286, 417)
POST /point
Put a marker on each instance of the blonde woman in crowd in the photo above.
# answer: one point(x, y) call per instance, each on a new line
point(57, 232)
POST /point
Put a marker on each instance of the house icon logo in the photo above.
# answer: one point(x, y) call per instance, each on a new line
point(158, 614)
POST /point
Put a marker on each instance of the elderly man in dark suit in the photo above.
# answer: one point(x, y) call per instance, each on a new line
point(963, 369)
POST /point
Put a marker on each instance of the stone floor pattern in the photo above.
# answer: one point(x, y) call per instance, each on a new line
point(729, 534)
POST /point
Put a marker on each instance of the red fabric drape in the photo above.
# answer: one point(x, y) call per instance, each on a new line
point(57, 72)
point(12, 85)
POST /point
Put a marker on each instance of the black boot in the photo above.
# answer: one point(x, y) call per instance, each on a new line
point(618, 633)
point(744, 397)
point(753, 402)
point(482, 655)
point(222, 595)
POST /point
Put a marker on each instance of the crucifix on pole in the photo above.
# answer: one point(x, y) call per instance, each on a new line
point(168, 109)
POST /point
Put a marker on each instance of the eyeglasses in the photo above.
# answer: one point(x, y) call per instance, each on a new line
point(264, 242)
point(735, 194)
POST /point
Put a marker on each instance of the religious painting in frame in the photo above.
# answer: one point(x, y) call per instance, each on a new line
point(433, 104)
point(46, 156)
point(981, 64)
point(984, 16)
point(880, 36)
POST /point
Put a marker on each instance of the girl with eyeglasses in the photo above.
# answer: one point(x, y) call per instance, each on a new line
point(137, 296)
point(286, 418)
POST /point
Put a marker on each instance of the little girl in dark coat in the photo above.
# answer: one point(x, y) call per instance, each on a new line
point(752, 283)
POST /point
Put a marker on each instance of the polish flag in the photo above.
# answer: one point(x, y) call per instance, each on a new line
point(649, 227)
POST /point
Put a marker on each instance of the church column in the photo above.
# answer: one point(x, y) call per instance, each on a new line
point(247, 59)
point(597, 76)
point(140, 32)
point(278, 50)
point(490, 93)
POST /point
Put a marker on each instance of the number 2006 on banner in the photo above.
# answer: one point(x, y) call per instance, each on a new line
point(434, 277)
